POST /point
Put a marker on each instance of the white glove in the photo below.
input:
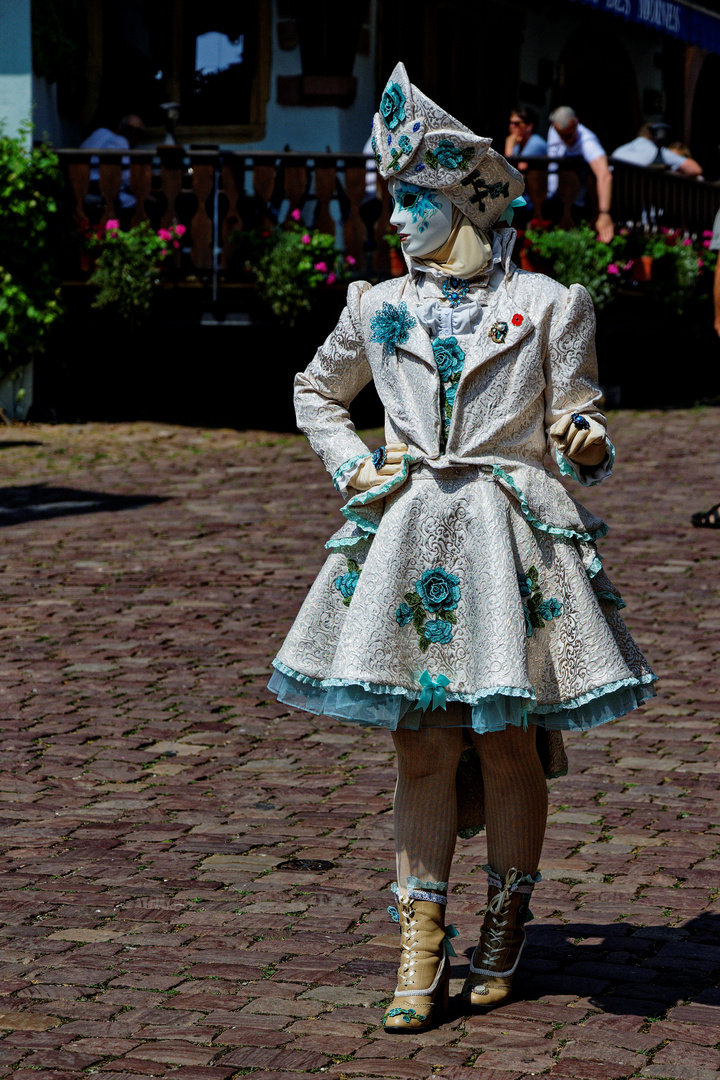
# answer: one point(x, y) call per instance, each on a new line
point(367, 476)
point(585, 446)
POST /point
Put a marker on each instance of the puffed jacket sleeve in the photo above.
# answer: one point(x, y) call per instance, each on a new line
point(323, 392)
point(571, 380)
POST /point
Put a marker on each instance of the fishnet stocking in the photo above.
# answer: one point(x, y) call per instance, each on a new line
point(425, 807)
point(515, 798)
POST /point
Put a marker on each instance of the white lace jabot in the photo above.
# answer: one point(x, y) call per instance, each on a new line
point(434, 312)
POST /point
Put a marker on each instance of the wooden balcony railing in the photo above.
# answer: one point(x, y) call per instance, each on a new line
point(218, 196)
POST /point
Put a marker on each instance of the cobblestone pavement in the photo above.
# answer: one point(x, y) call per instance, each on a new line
point(152, 792)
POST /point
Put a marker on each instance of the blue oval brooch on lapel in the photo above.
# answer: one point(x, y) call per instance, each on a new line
point(498, 332)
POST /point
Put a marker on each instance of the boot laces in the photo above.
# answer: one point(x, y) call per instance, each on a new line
point(493, 939)
point(408, 955)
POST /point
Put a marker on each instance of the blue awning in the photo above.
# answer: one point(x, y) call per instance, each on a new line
point(682, 19)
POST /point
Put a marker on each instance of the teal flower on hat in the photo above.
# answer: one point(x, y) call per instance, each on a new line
point(392, 106)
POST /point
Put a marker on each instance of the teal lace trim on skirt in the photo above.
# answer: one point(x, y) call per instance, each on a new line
point(489, 710)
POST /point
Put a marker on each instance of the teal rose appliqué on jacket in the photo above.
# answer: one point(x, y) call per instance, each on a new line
point(391, 326)
point(436, 593)
point(449, 357)
point(392, 106)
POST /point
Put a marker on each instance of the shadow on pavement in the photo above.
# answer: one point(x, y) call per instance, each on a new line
point(34, 502)
point(8, 444)
point(621, 968)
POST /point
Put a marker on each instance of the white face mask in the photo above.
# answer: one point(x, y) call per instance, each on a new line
point(422, 216)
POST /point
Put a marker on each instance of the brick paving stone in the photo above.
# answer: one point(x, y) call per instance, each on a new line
point(150, 785)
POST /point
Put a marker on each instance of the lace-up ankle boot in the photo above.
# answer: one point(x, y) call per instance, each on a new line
point(502, 938)
point(424, 973)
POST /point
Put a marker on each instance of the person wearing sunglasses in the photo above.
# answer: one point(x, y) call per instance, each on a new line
point(522, 139)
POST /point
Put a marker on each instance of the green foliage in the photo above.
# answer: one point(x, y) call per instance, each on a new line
point(29, 276)
point(293, 264)
point(126, 272)
point(577, 256)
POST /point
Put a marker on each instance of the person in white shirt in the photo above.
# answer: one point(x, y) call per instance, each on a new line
point(125, 136)
point(647, 149)
point(569, 138)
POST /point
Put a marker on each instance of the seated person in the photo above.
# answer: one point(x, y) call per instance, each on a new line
point(522, 140)
point(648, 149)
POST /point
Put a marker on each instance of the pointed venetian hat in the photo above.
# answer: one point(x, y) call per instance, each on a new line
point(416, 141)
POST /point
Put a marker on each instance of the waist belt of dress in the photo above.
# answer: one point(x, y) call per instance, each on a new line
point(462, 473)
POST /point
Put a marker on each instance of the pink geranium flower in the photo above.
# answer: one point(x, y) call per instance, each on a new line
point(163, 251)
point(613, 268)
point(112, 225)
point(322, 267)
point(350, 261)
point(331, 278)
point(707, 234)
point(706, 243)
point(687, 242)
point(165, 234)
point(295, 215)
point(306, 238)
point(180, 230)
point(700, 264)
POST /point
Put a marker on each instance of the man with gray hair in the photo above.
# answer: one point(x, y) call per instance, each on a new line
point(569, 138)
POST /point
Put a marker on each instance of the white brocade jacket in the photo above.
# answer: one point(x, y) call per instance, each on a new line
point(530, 360)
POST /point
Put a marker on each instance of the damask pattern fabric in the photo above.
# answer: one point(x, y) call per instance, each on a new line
point(473, 565)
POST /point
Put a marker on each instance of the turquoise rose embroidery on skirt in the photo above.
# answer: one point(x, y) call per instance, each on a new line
point(437, 594)
point(347, 583)
point(538, 611)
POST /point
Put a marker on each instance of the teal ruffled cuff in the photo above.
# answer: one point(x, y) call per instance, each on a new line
point(587, 475)
point(342, 475)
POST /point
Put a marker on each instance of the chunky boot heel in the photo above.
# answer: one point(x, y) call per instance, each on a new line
point(502, 939)
point(423, 987)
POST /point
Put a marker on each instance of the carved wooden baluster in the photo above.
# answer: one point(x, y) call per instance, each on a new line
point(296, 183)
point(171, 171)
point(536, 187)
point(79, 178)
point(110, 188)
point(567, 189)
point(383, 227)
point(325, 184)
point(201, 226)
point(263, 186)
point(232, 222)
point(140, 183)
point(355, 231)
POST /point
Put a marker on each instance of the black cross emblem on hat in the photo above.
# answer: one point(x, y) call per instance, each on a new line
point(484, 190)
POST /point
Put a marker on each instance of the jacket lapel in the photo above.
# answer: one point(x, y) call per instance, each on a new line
point(504, 326)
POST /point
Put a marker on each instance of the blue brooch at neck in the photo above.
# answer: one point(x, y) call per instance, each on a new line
point(455, 290)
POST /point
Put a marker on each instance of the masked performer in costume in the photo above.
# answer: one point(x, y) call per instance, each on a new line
point(464, 598)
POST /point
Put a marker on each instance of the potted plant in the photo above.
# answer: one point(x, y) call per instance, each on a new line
point(397, 263)
point(126, 270)
point(577, 256)
point(293, 263)
point(29, 276)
